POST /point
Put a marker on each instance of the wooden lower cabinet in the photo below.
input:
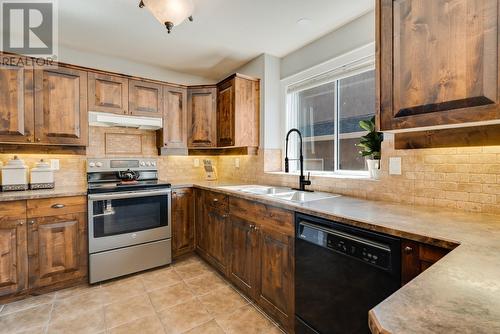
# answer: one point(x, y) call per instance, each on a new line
point(275, 272)
point(57, 249)
point(217, 246)
point(243, 238)
point(13, 259)
point(252, 245)
point(182, 221)
point(417, 257)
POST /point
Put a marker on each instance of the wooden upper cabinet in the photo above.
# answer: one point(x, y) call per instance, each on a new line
point(61, 106)
point(202, 114)
point(108, 93)
point(238, 105)
point(174, 132)
point(145, 98)
point(16, 103)
point(182, 221)
point(437, 62)
point(13, 248)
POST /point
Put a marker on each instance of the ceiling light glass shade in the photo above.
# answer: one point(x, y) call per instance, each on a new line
point(174, 11)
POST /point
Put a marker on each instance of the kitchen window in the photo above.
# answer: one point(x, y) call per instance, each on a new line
point(327, 109)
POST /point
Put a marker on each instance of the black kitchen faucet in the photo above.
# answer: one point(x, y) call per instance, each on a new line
point(302, 180)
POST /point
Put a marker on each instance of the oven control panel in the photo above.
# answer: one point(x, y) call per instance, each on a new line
point(117, 164)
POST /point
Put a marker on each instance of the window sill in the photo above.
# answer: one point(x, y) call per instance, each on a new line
point(360, 176)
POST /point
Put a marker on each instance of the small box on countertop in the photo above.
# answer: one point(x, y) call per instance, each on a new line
point(14, 175)
point(42, 176)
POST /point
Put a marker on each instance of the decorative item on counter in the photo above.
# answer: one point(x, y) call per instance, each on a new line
point(42, 176)
point(370, 145)
point(14, 175)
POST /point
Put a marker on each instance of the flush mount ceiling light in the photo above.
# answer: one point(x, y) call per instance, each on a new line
point(169, 12)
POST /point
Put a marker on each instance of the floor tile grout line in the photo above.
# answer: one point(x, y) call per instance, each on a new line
point(50, 316)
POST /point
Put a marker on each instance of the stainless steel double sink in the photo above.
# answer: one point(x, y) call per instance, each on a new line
point(281, 193)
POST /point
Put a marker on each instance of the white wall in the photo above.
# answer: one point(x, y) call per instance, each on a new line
point(350, 36)
point(118, 65)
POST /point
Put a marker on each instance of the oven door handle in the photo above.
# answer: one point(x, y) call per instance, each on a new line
point(101, 197)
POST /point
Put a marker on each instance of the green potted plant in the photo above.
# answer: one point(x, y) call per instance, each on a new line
point(370, 147)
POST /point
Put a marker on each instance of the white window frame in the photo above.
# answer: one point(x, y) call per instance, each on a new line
point(349, 64)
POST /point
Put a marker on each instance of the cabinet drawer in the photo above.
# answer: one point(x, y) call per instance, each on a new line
point(56, 206)
point(270, 217)
point(15, 209)
point(217, 201)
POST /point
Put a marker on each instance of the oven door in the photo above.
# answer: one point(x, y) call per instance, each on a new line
point(123, 219)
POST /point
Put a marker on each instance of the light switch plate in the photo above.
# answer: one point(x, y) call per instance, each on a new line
point(237, 163)
point(395, 166)
point(54, 164)
point(196, 163)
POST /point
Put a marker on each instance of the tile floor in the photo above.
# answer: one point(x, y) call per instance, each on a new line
point(186, 297)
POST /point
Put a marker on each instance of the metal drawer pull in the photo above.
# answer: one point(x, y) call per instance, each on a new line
point(58, 206)
point(107, 213)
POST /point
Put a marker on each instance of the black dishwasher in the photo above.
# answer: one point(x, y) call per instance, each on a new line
point(341, 272)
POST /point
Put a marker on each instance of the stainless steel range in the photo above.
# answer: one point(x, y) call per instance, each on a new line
point(129, 216)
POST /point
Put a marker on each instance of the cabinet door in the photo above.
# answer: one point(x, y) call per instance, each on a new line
point(216, 238)
point(275, 291)
point(200, 216)
point(108, 93)
point(61, 106)
point(182, 221)
point(13, 256)
point(57, 249)
point(16, 102)
point(145, 99)
point(202, 117)
point(175, 117)
point(226, 114)
point(243, 241)
point(438, 62)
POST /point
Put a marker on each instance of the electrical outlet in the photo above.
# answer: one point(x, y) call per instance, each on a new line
point(196, 163)
point(237, 163)
point(395, 166)
point(54, 164)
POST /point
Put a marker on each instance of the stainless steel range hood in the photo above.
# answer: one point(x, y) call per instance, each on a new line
point(123, 121)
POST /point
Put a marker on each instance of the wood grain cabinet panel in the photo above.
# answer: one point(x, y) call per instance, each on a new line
point(61, 106)
point(438, 62)
point(16, 103)
point(108, 93)
point(13, 256)
point(243, 239)
point(417, 257)
point(200, 219)
point(217, 223)
point(57, 249)
point(238, 105)
point(202, 117)
point(183, 235)
point(174, 133)
point(275, 289)
point(145, 99)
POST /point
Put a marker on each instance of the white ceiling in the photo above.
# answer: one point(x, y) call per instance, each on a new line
point(225, 34)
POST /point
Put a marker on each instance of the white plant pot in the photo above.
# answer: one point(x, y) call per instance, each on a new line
point(373, 168)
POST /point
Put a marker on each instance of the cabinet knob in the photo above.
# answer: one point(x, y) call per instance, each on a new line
point(38, 139)
point(21, 223)
point(408, 250)
point(31, 222)
point(215, 200)
point(58, 206)
point(124, 111)
point(29, 140)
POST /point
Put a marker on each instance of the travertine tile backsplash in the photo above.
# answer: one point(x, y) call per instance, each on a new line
point(465, 178)
point(461, 178)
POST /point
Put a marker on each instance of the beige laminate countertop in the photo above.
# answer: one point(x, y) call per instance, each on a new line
point(458, 294)
point(42, 193)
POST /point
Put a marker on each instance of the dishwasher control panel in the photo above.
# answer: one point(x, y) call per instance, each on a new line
point(369, 251)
